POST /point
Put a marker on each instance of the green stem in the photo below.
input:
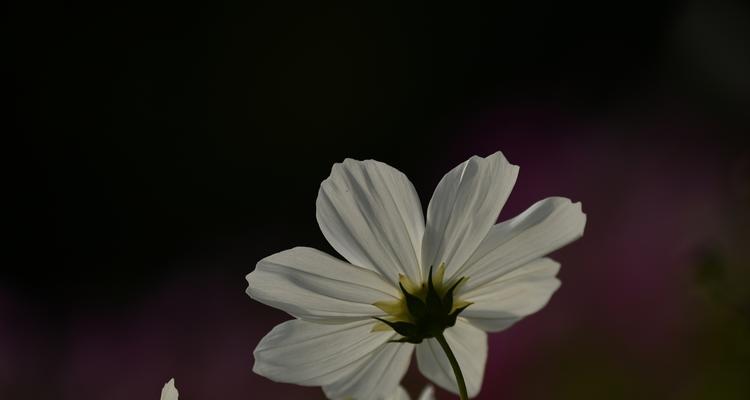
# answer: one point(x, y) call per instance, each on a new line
point(456, 369)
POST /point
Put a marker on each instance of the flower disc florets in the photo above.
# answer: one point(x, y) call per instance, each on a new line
point(425, 311)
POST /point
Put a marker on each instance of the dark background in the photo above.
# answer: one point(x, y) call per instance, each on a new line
point(157, 151)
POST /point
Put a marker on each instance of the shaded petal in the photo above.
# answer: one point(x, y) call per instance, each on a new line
point(428, 393)
point(312, 285)
point(371, 215)
point(400, 394)
point(377, 377)
point(311, 354)
point(469, 345)
point(544, 227)
point(463, 208)
point(500, 303)
point(169, 391)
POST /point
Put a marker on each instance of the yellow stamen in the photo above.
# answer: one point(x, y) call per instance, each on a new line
point(410, 286)
point(437, 277)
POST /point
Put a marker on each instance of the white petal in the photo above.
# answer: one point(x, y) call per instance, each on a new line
point(311, 354)
point(399, 394)
point(169, 391)
point(544, 227)
point(469, 345)
point(500, 303)
point(428, 393)
point(377, 377)
point(312, 285)
point(370, 213)
point(463, 208)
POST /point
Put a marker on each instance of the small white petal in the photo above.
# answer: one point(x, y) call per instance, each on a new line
point(469, 345)
point(400, 394)
point(500, 303)
point(428, 393)
point(544, 227)
point(463, 208)
point(312, 285)
point(169, 391)
point(375, 378)
point(311, 354)
point(370, 213)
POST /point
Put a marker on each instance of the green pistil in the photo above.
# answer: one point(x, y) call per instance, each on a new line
point(426, 315)
point(429, 316)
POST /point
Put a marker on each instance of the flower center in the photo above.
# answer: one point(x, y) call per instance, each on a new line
point(424, 311)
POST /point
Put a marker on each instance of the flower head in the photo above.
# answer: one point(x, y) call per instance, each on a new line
point(408, 283)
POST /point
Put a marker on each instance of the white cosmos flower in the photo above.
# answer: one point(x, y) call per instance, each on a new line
point(428, 393)
point(169, 391)
point(370, 213)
